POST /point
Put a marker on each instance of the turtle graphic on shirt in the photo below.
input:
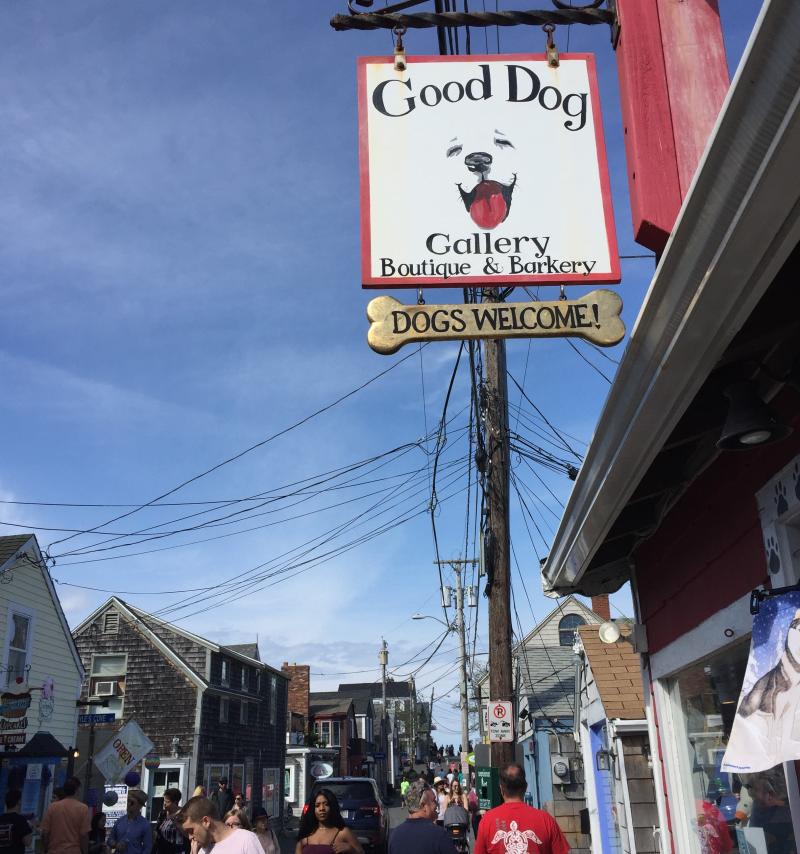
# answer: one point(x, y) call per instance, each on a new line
point(516, 840)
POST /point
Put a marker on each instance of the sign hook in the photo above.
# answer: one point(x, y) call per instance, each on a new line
point(399, 48)
point(550, 45)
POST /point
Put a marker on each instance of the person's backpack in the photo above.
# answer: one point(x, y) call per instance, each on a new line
point(472, 800)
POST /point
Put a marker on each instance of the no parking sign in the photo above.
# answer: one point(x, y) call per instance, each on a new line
point(501, 726)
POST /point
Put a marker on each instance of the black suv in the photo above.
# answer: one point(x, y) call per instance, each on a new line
point(362, 809)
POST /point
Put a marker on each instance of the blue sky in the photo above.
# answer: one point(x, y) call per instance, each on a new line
point(180, 280)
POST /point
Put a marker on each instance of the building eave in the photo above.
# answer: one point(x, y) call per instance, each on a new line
point(738, 224)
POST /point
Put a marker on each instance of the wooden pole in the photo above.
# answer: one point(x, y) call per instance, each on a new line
point(500, 679)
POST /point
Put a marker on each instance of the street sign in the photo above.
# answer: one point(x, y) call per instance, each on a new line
point(471, 759)
point(594, 317)
point(85, 720)
point(501, 724)
point(483, 170)
point(379, 755)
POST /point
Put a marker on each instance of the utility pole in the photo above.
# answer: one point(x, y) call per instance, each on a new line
point(498, 572)
point(460, 627)
point(383, 658)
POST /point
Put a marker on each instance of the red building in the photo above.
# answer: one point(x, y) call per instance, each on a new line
point(691, 488)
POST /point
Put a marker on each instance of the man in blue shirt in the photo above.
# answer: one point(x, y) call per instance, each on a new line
point(132, 833)
point(419, 833)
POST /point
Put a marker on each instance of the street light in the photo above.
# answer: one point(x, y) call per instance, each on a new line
point(459, 628)
point(448, 626)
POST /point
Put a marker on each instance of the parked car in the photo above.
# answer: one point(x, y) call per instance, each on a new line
point(362, 809)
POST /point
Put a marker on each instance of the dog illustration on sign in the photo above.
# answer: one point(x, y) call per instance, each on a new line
point(488, 202)
point(766, 728)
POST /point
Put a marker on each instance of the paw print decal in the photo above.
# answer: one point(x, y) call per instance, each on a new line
point(781, 504)
point(773, 558)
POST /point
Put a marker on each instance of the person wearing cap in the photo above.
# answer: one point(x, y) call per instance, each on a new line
point(222, 798)
point(131, 834)
point(418, 833)
point(266, 836)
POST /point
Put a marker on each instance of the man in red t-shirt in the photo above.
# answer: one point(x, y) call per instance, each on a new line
point(516, 828)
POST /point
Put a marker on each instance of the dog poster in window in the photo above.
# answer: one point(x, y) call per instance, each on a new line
point(483, 170)
point(766, 727)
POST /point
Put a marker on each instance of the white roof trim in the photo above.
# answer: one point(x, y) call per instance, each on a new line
point(42, 566)
point(154, 639)
point(737, 226)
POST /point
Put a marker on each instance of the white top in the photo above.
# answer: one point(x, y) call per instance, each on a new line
point(239, 842)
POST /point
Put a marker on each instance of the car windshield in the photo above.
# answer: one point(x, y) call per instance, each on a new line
point(351, 791)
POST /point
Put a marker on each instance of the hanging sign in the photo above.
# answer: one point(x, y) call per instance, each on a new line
point(766, 727)
point(122, 752)
point(483, 170)
point(595, 317)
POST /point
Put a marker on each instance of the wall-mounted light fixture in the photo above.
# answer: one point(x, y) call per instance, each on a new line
point(750, 421)
point(602, 760)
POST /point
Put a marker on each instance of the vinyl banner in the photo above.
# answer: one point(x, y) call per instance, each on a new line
point(766, 727)
point(483, 170)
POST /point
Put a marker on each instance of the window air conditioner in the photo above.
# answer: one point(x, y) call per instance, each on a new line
point(105, 689)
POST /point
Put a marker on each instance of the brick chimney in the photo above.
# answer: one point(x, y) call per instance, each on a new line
point(601, 607)
point(299, 681)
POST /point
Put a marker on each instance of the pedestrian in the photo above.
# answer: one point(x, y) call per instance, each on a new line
point(440, 790)
point(472, 806)
point(404, 784)
point(65, 826)
point(15, 832)
point(266, 836)
point(237, 818)
point(199, 792)
point(201, 823)
point(514, 826)
point(457, 796)
point(419, 833)
point(131, 833)
point(169, 836)
point(97, 834)
point(322, 828)
point(238, 802)
point(222, 798)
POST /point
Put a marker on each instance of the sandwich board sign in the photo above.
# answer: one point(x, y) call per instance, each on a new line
point(483, 171)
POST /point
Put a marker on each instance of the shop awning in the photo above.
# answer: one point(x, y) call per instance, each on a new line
point(703, 321)
point(42, 745)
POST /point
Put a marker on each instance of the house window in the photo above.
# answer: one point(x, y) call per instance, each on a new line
point(18, 645)
point(212, 774)
point(225, 673)
point(328, 733)
point(273, 700)
point(223, 710)
point(111, 623)
point(245, 679)
point(244, 713)
point(107, 681)
point(258, 682)
point(703, 704)
point(566, 628)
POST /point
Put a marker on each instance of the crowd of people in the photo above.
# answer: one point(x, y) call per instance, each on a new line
point(222, 822)
point(508, 827)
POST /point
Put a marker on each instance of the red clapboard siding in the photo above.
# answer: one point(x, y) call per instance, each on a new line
point(673, 77)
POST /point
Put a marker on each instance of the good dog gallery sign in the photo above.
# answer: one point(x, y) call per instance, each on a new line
point(483, 170)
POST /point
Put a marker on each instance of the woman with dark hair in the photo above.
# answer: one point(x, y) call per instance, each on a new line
point(97, 834)
point(322, 828)
point(168, 837)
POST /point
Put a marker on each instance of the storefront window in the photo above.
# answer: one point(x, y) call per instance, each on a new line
point(747, 813)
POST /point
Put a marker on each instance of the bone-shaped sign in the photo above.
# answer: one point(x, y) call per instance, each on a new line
point(594, 317)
